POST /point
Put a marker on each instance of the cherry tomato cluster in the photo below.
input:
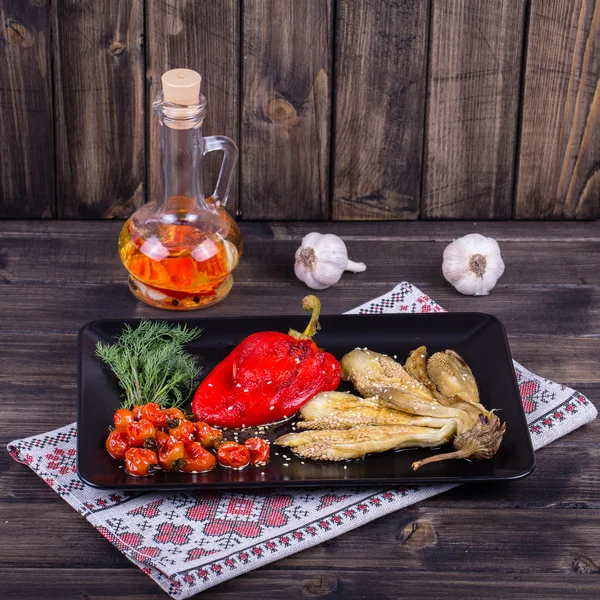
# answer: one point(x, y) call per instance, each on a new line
point(149, 438)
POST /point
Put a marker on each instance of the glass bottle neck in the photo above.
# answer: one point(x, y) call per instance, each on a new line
point(182, 148)
point(182, 151)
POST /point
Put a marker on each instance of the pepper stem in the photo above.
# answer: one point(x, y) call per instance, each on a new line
point(312, 305)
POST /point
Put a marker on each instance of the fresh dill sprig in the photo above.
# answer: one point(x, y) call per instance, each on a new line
point(151, 363)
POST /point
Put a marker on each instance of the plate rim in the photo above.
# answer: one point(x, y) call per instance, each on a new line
point(403, 480)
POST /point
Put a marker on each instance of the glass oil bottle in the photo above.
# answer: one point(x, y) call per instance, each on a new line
point(180, 249)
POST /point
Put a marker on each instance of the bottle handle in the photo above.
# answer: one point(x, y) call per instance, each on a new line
point(230, 156)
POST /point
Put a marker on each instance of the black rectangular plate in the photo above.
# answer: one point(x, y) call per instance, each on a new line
point(479, 338)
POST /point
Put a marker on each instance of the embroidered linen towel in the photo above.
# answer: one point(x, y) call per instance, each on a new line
point(188, 542)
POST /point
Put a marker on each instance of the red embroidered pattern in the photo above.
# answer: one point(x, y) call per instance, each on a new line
point(189, 541)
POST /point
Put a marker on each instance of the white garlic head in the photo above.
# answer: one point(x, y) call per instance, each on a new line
point(473, 264)
point(321, 260)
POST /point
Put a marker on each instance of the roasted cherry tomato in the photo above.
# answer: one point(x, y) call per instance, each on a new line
point(153, 413)
point(172, 415)
point(122, 418)
point(233, 455)
point(117, 443)
point(208, 436)
point(140, 462)
point(137, 412)
point(170, 455)
point(197, 459)
point(140, 431)
point(184, 432)
point(259, 450)
point(161, 437)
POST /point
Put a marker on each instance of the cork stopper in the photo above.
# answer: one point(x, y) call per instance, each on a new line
point(181, 86)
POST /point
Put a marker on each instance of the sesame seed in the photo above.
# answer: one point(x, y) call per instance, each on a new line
point(345, 466)
point(262, 473)
point(246, 391)
point(272, 408)
point(286, 465)
point(269, 382)
point(210, 385)
point(238, 385)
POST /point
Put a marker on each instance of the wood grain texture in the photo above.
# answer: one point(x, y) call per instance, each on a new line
point(472, 109)
point(453, 534)
point(380, 67)
point(447, 231)
point(270, 248)
point(581, 268)
point(564, 232)
point(23, 352)
point(534, 538)
point(556, 484)
point(559, 160)
point(281, 582)
point(286, 109)
point(98, 84)
point(205, 37)
point(22, 379)
point(26, 128)
point(533, 301)
point(529, 311)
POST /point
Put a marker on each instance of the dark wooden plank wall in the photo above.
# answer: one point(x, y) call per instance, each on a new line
point(532, 539)
point(99, 107)
point(473, 105)
point(26, 118)
point(561, 112)
point(286, 109)
point(343, 109)
point(381, 61)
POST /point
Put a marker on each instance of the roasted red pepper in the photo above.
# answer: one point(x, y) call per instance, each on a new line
point(267, 377)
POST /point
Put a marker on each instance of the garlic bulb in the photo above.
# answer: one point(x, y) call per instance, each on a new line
point(473, 264)
point(321, 260)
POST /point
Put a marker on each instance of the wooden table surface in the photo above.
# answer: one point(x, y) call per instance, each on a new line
point(538, 537)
